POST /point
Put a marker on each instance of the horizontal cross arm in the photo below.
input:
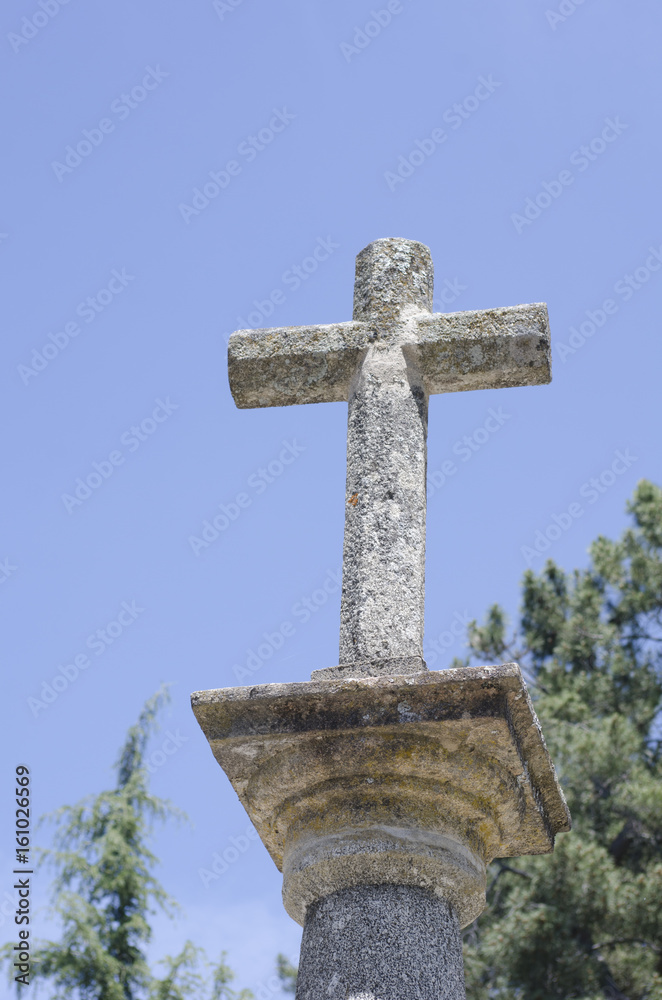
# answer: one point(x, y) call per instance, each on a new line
point(483, 349)
point(297, 364)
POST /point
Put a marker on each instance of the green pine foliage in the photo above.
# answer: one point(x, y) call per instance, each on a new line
point(104, 894)
point(287, 973)
point(586, 921)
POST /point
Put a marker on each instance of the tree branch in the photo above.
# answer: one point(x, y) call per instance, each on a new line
point(616, 941)
point(506, 868)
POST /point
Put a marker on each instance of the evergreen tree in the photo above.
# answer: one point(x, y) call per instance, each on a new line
point(104, 894)
point(586, 922)
point(287, 973)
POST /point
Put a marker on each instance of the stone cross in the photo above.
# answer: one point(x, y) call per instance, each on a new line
point(380, 789)
point(386, 362)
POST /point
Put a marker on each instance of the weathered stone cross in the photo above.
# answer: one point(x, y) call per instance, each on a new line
point(386, 363)
point(380, 789)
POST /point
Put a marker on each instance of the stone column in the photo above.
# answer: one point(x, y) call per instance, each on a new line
point(381, 942)
point(382, 790)
point(382, 800)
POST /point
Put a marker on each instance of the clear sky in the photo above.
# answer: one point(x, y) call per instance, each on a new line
point(174, 171)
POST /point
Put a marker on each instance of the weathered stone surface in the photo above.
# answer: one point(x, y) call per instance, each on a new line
point(478, 349)
point(296, 364)
point(487, 349)
point(380, 854)
point(388, 667)
point(483, 349)
point(383, 590)
point(393, 282)
point(385, 942)
point(413, 780)
point(385, 363)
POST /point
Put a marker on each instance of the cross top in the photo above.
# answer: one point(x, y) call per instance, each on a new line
point(394, 282)
point(386, 362)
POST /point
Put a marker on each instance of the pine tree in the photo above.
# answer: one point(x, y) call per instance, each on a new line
point(104, 893)
point(586, 922)
point(287, 973)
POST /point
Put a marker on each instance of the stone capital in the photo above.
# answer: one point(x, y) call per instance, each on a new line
point(416, 780)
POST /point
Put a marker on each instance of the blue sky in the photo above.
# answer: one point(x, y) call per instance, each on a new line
point(169, 172)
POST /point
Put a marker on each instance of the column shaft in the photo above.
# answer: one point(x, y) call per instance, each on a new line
point(387, 942)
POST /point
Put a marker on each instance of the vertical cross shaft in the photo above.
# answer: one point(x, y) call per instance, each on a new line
point(382, 605)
